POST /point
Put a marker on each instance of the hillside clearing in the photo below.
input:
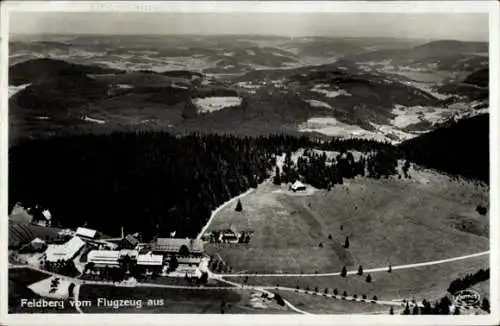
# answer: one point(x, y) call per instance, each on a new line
point(387, 221)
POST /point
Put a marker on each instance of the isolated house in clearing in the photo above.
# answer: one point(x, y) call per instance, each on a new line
point(297, 186)
point(229, 235)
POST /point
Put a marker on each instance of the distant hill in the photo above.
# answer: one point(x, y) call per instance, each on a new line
point(32, 70)
point(460, 148)
point(479, 77)
point(474, 86)
point(441, 55)
point(54, 94)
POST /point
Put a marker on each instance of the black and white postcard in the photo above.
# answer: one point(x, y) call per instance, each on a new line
point(256, 162)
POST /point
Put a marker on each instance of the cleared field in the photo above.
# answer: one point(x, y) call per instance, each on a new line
point(182, 301)
point(322, 305)
point(428, 282)
point(429, 217)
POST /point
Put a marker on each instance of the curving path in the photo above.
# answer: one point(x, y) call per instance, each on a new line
point(76, 298)
point(218, 209)
point(371, 270)
point(264, 289)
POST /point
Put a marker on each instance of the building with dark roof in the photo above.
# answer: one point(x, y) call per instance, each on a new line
point(129, 242)
point(187, 251)
point(174, 246)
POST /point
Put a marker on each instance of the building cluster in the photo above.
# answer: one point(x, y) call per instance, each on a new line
point(163, 255)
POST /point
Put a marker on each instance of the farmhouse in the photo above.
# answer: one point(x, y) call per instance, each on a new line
point(85, 233)
point(229, 236)
point(297, 186)
point(188, 251)
point(64, 252)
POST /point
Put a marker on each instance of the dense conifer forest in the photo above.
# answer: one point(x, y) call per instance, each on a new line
point(461, 148)
point(151, 182)
point(157, 183)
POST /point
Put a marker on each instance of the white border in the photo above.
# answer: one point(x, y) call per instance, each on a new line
point(490, 7)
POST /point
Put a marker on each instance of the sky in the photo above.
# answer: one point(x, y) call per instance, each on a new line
point(457, 26)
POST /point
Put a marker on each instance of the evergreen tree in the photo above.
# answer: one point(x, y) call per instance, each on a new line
point(426, 309)
point(456, 311)
point(343, 273)
point(389, 269)
point(360, 270)
point(485, 305)
point(344, 294)
point(329, 237)
point(335, 292)
point(391, 311)
point(406, 311)
point(239, 207)
point(173, 264)
point(346, 243)
point(277, 177)
point(415, 310)
point(368, 278)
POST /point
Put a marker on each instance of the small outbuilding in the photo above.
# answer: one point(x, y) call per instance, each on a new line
point(298, 186)
point(86, 233)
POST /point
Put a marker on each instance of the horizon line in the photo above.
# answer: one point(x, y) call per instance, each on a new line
point(246, 35)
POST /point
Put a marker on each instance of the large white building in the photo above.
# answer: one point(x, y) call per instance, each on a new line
point(64, 252)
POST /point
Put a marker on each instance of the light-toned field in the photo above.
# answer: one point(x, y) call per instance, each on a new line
point(429, 217)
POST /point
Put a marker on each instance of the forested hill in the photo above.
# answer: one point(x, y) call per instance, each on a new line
point(150, 182)
point(461, 148)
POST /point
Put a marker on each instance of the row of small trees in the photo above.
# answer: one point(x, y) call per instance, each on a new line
point(335, 292)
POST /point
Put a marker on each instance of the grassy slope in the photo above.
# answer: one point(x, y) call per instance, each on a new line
point(388, 221)
point(429, 282)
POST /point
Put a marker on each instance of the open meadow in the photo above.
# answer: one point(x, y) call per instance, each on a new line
point(388, 221)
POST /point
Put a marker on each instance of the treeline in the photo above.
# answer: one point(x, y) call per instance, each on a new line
point(149, 182)
point(461, 148)
point(442, 306)
point(156, 183)
point(469, 280)
point(322, 172)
